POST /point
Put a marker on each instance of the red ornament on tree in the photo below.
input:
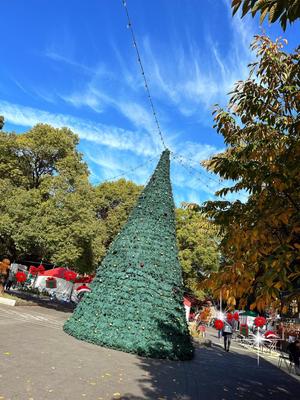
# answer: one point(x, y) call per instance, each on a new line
point(236, 316)
point(229, 317)
point(219, 324)
point(21, 276)
point(260, 321)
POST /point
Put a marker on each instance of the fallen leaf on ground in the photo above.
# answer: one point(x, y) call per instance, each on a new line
point(117, 395)
point(7, 353)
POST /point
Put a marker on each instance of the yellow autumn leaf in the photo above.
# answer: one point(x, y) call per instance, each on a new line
point(231, 301)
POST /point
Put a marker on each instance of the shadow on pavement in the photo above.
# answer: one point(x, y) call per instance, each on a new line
point(43, 302)
point(214, 375)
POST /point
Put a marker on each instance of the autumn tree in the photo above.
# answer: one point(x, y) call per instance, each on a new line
point(261, 128)
point(284, 10)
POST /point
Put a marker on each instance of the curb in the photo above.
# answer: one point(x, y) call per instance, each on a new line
point(7, 302)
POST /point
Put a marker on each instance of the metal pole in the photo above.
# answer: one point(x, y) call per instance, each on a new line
point(258, 345)
point(219, 332)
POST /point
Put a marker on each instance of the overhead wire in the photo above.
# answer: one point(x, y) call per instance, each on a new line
point(189, 170)
point(184, 161)
point(127, 172)
point(130, 27)
point(189, 162)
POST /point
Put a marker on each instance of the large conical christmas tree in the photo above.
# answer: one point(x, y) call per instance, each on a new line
point(136, 302)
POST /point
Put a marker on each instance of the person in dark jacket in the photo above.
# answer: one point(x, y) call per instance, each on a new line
point(10, 279)
point(227, 334)
point(294, 353)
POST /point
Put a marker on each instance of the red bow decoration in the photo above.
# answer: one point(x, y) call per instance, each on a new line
point(21, 276)
point(33, 270)
point(236, 316)
point(219, 324)
point(229, 316)
point(260, 321)
point(41, 269)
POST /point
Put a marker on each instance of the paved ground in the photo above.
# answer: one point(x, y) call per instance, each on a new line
point(38, 361)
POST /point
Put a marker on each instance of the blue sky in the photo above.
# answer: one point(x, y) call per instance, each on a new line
point(72, 63)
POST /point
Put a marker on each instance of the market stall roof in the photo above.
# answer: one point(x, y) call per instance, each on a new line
point(248, 314)
point(58, 272)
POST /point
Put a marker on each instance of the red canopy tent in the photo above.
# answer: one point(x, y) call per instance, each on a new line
point(58, 272)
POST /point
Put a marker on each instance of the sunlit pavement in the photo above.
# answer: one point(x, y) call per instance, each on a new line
point(38, 361)
point(271, 357)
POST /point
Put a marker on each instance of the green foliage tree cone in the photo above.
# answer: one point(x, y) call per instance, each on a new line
point(136, 299)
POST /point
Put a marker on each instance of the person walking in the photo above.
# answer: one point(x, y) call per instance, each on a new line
point(227, 334)
point(202, 330)
point(294, 354)
point(10, 279)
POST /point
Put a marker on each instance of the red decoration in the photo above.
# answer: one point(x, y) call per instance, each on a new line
point(70, 275)
point(219, 324)
point(244, 329)
point(229, 317)
point(21, 276)
point(271, 334)
point(84, 279)
point(236, 316)
point(260, 321)
point(41, 269)
point(83, 287)
point(33, 270)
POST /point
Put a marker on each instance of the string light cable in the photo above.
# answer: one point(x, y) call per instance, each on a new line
point(188, 162)
point(191, 169)
point(125, 173)
point(182, 160)
point(211, 190)
point(130, 27)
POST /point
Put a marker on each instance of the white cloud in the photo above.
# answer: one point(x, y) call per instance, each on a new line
point(63, 59)
point(110, 136)
point(117, 151)
point(94, 97)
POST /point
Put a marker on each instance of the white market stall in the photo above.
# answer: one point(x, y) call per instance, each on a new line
point(54, 280)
